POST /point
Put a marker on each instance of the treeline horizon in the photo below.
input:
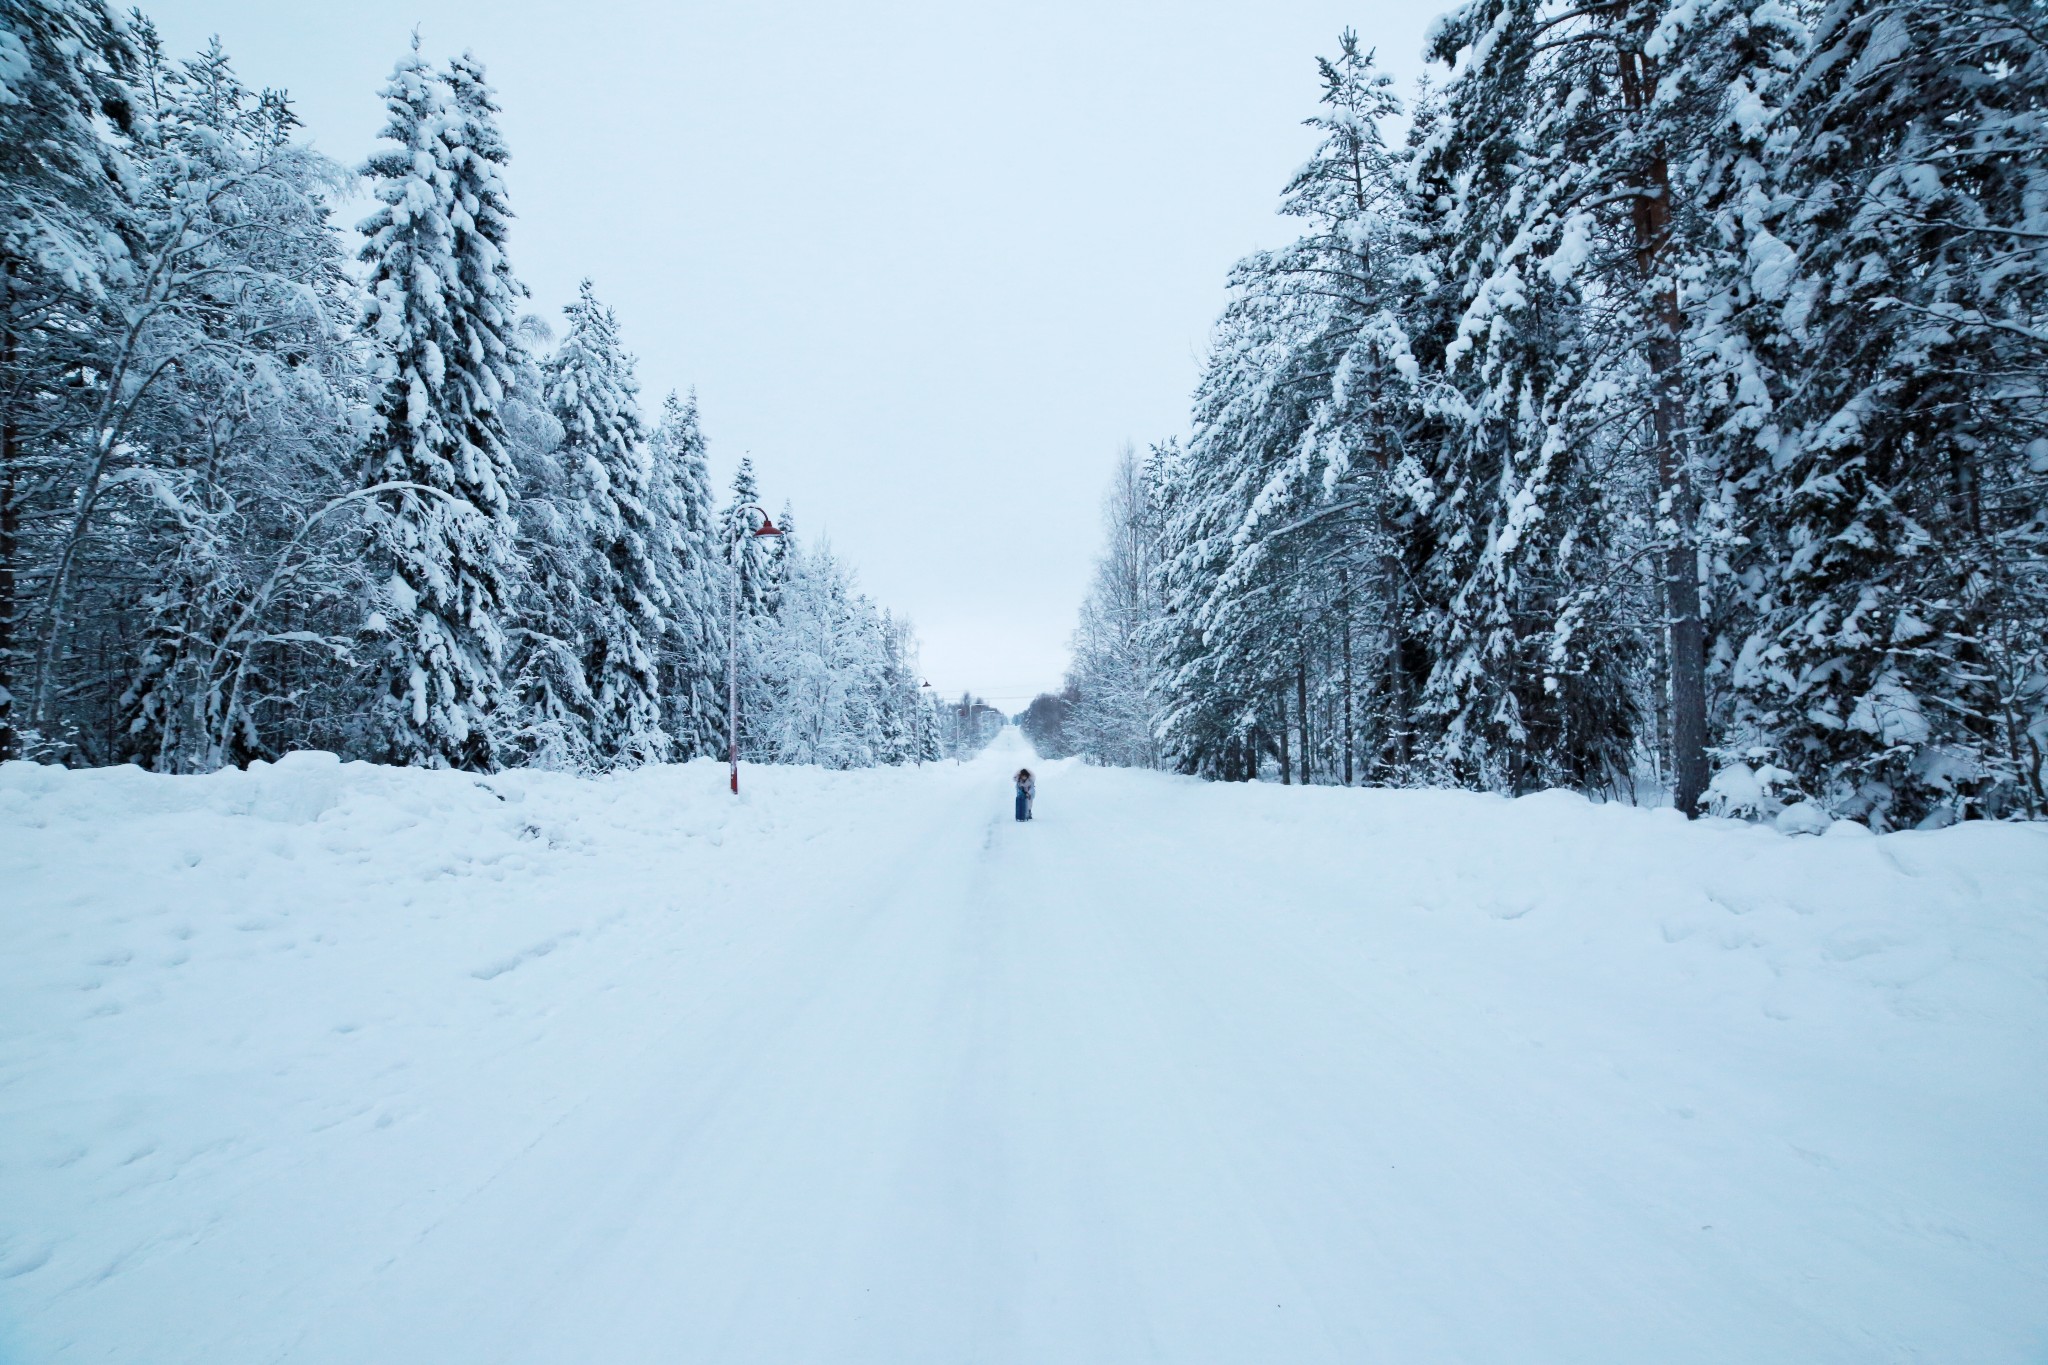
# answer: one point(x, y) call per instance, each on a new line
point(267, 484)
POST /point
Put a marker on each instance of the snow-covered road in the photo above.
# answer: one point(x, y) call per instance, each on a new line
point(339, 1064)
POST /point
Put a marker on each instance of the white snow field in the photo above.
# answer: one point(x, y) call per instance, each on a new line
point(347, 1064)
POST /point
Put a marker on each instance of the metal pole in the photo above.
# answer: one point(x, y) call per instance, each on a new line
point(732, 673)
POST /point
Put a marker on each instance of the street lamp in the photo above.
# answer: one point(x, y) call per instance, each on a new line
point(732, 638)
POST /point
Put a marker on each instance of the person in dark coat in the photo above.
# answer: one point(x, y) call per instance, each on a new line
point(1027, 787)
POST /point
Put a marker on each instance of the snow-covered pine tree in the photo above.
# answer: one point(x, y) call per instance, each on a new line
point(1561, 224)
point(1882, 423)
point(1202, 724)
point(1292, 483)
point(930, 727)
point(555, 715)
point(1597, 224)
point(749, 561)
point(1687, 323)
point(777, 559)
point(592, 392)
point(443, 305)
point(875, 676)
point(62, 223)
point(691, 657)
point(892, 687)
point(738, 546)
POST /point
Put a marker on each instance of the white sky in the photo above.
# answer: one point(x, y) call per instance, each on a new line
point(929, 262)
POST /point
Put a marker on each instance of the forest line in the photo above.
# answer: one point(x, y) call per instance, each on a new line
point(1661, 412)
point(266, 484)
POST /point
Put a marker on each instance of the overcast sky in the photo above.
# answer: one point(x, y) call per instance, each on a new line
point(930, 264)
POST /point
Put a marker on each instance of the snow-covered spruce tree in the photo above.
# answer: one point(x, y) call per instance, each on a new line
point(1883, 422)
point(930, 728)
point(1562, 226)
point(691, 657)
point(1296, 485)
point(751, 561)
point(768, 668)
point(739, 547)
point(1342, 522)
point(62, 247)
point(1204, 726)
point(1231, 655)
point(892, 684)
point(592, 393)
point(555, 712)
point(777, 554)
point(443, 305)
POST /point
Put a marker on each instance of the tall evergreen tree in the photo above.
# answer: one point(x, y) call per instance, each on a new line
point(692, 653)
point(443, 304)
point(749, 564)
point(592, 392)
point(1552, 220)
point(1298, 466)
point(557, 716)
point(778, 555)
point(743, 552)
point(62, 229)
point(1881, 415)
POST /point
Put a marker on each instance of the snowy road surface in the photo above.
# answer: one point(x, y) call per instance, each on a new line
point(326, 1064)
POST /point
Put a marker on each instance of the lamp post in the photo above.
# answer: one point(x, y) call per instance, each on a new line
point(732, 637)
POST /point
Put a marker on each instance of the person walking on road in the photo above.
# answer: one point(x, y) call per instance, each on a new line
point(1027, 788)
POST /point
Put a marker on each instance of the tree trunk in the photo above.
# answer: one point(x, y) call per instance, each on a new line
point(1408, 661)
point(1286, 758)
point(1688, 636)
point(10, 521)
point(1681, 577)
point(1301, 711)
point(1344, 579)
point(1660, 715)
point(1677, 510)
